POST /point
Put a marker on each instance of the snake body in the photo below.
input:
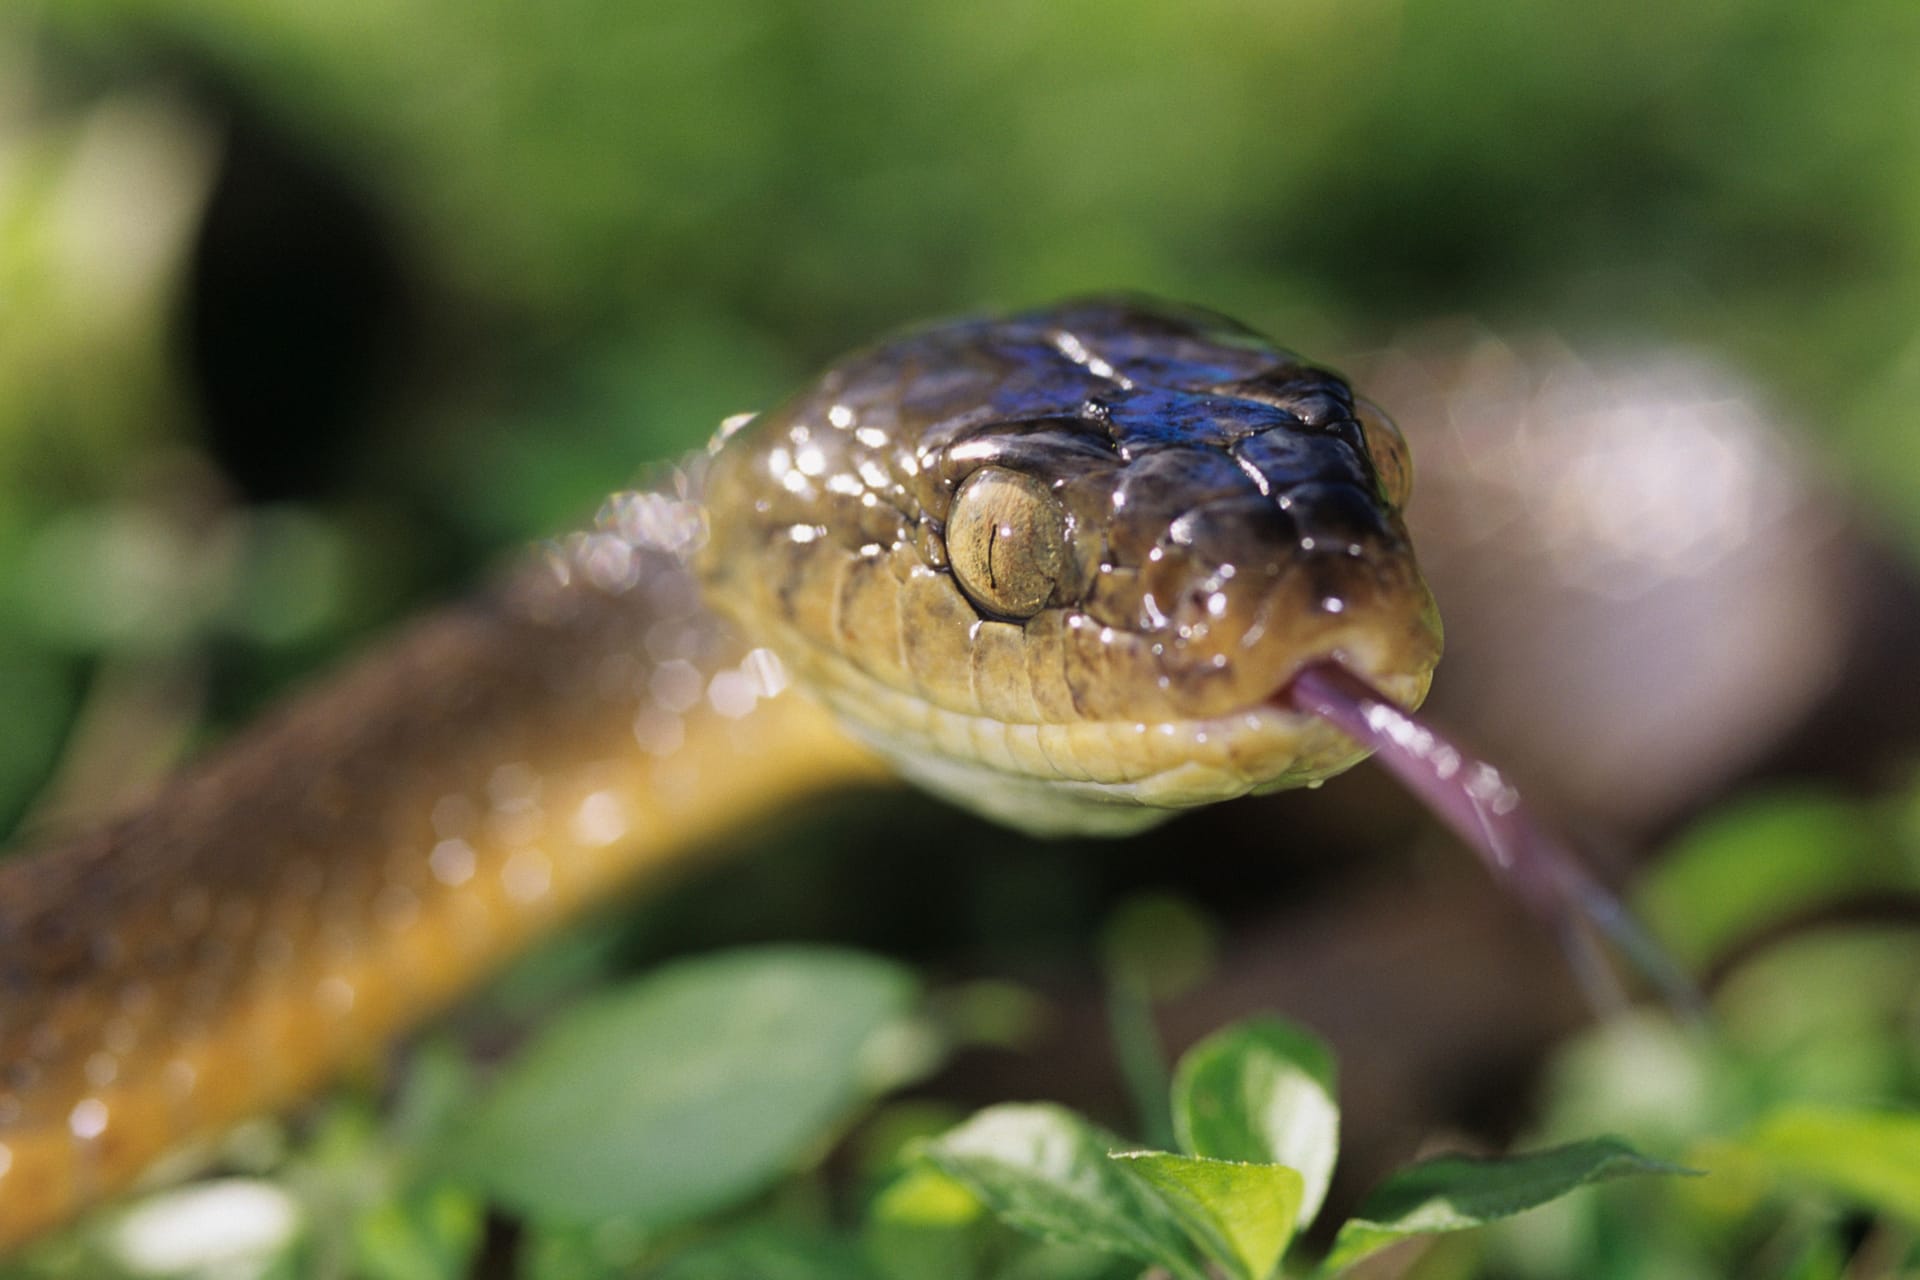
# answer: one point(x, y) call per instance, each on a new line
point(1056, 565)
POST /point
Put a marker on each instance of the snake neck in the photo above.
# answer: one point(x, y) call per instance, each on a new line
point(349, 866)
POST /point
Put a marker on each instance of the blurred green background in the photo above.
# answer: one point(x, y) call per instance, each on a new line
point(309, 311)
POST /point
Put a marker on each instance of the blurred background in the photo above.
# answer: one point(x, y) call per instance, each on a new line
point(311, 312)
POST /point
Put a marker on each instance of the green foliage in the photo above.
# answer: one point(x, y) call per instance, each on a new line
point(618, 1158)
point(1241, 1215)
point(1455, 1193)
point(766, 1254)
point(1775, 1109)
point(1869, 1158)
point(1259, 1090)
point(1755, 861)
point(687, 1091)
point(923, 1226)
point(1262, 1092)
point(1047, 1171)
point(430, 1235)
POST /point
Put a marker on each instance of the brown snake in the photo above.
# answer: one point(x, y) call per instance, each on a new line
point(1060, 567)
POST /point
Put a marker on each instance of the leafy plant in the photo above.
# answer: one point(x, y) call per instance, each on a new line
point(678, 1126)
point(1258, 1126)
point(690, 1090)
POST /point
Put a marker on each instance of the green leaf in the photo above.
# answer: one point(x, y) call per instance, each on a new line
point(687, 1091)
point(1453, 1193)
point(431, 1234)
point(609, 1249)
point(1872, 1157)
point(1243, 1215)
point(767, 1253)
point(1262, 1092)
point(923, 1226)
point(1754, 861)
point(1045, 1170)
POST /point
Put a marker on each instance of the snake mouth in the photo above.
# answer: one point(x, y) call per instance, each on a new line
point(1115, 730)
point(1118, 773)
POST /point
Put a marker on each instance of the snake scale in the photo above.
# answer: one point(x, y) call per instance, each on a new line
point(1058, 566)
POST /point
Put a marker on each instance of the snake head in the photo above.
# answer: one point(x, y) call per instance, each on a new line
point(1062, 565)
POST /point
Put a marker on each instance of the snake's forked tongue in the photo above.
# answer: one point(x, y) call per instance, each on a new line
point(1483, 809)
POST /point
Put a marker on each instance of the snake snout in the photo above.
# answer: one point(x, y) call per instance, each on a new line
point(1247, 590)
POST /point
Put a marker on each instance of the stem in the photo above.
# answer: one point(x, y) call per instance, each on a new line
point(1143, 1063)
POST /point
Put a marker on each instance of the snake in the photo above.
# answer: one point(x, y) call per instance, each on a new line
point(1059, 566)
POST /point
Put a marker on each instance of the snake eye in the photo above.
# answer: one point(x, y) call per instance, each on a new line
point(1007, 542)
point(1387, 449)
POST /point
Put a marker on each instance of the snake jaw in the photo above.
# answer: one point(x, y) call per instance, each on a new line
point(1116, 776)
